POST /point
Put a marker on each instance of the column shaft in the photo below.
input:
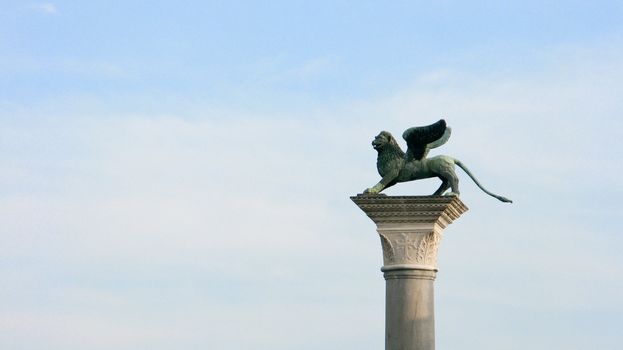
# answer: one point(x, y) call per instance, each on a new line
point(409, 310)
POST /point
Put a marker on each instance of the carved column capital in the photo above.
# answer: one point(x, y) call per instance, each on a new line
point(410, 227)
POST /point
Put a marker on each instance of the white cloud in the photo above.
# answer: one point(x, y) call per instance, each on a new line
point(81, 68)
point(45, 7)
point(279, 70)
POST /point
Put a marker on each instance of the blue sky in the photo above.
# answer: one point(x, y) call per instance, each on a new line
point(176, 175)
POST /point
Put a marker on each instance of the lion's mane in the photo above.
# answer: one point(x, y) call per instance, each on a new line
point(388, 152)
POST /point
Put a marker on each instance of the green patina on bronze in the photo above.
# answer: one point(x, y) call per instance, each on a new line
point(396, 166)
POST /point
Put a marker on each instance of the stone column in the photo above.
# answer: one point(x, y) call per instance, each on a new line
point(410, 229)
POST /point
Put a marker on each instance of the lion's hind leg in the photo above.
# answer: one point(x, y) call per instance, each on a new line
point(445, 184)
point(446, 172)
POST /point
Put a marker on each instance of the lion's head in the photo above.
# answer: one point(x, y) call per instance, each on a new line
point(383, 139)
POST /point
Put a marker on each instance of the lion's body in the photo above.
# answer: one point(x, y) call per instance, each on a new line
point(428, 167)
point(393, 166)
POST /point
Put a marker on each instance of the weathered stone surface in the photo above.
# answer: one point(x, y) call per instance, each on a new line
point(410, 228)
point(409, 310)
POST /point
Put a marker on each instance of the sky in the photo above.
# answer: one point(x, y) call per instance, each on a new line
point(176, 175)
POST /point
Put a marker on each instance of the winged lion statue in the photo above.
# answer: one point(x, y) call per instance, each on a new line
point(396, 166)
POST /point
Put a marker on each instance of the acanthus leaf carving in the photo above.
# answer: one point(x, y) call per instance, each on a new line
point(418, 248)
point(388, 249)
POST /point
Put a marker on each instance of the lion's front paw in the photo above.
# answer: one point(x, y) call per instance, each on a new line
point(370, 191)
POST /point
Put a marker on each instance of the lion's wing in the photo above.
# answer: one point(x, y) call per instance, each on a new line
point(422, 138)
point(440, 141)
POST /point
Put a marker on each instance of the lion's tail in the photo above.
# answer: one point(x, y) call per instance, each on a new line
point(462, 166)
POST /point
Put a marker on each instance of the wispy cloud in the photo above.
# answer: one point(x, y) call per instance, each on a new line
point(280, 70)
point(67, 66)
point(45, 7)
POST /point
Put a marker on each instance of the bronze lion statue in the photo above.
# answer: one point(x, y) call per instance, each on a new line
point(396, 166)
